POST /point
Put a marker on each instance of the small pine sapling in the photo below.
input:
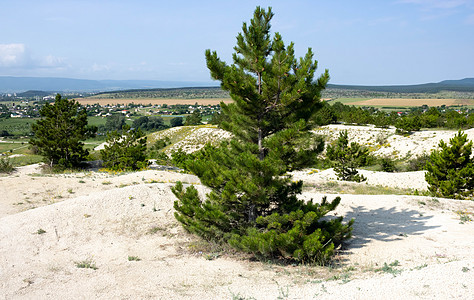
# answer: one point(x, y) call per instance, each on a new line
point(347, 158)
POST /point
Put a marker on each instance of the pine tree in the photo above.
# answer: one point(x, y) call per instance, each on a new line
point(451, 169)
point(58, 135)
point(194, 119)
point(347, 158)
point(253, 203)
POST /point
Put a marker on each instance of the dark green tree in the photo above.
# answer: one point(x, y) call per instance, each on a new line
point(125, 150)
point(432, 118)
point(380, 119)
point(408, 124)
point(194, 119)
point(325, 115)
point(114, 122)
point(451, 168)
point(178, 121)
point(5, 133)
point(455, 120)
point(149, 123)
point(60, 133)
point(347, 158)
point(253, 203)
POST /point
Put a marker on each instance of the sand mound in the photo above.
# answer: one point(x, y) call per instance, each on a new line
point(384, 142)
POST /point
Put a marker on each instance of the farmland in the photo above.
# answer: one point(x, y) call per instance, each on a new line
point(398, 102)
point(373, 102)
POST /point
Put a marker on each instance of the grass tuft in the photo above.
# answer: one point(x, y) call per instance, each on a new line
point(86, 264)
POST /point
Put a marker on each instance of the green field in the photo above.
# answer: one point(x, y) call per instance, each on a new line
point(347, 101)
point(14, 147)
point(17, 126)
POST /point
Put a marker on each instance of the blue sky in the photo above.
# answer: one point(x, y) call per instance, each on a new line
point(360, 42)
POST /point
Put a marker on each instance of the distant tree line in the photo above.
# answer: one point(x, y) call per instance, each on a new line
point(414, 120)
point(175, 93)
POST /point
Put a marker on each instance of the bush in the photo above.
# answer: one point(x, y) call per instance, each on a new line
point(418, 163)
point(387, 164)
point(161, 143)
point(5, 165)
point(125, 152)
point(162, 159)
point(451, 169)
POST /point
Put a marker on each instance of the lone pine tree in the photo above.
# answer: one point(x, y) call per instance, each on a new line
point(252, 203)
point(60, 133)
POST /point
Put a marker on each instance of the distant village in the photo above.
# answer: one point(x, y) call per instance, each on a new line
point(29, 108)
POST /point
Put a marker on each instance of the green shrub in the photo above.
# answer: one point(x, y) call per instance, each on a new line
point(418, 163)
point(387, 164)
point(161, 143)
point(179, 158)
point(125, 151)
point(5, 165)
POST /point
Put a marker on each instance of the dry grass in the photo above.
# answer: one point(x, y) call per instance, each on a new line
point(413, 102)
point(153, 101)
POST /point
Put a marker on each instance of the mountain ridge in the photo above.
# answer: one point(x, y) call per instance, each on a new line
point(11, 84)
point(459, 85)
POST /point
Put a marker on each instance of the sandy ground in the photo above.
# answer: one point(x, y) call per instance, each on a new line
point(403, 247)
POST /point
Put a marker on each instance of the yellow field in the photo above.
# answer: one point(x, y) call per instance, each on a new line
point(413, 102)
point(153, 101)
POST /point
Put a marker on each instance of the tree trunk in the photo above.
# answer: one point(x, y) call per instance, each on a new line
point(261, 155)
point(252, 213)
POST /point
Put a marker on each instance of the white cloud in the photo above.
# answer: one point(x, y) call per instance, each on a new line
point(17, 57)
point(100, 68)
point(13, 55)
point(140, 67)
point(50, 61)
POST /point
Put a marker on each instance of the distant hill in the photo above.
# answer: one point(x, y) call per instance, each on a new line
point(31, 94)
point(462, 85)
point(10, 84)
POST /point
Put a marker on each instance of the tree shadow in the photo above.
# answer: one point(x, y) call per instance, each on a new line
point(384, 225)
